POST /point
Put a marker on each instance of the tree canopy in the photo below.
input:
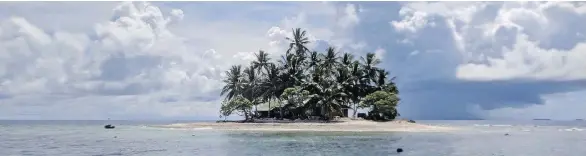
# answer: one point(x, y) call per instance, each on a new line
point(308, 83)
point(382, 105)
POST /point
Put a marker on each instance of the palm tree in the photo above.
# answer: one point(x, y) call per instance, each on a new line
point(381, 78)
point(327, 95)
point(369, 66)
point(251, 90)
point(233, 80)
point(330, 59)
point(347, 59)
point(351, 73)
point(298, 42)
point(357, 84)
point(314, 60)
point(324, 80)
point(292, 73)
point(292, 70)
point(272, 85)
point(344, 78)
point(385, 84)
point(262, 61)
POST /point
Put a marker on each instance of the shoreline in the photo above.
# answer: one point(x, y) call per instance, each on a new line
point(340, 126)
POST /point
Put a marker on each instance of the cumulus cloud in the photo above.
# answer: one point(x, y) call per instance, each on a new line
point(487, 56)
point(453, 60)
point(132, 65)
point(350, 17)
point(412, 21)
point(132, 54)
point(501, 41)
point(527, 61)
point(327, 24)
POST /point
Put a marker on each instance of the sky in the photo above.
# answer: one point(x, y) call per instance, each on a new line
point(165, 60)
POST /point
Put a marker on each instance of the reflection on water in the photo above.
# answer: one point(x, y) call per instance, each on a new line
point(74, 138)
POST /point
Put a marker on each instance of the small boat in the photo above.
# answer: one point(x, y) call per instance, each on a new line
point(109, 127)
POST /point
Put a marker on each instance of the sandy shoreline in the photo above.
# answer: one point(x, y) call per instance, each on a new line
point(344, 126)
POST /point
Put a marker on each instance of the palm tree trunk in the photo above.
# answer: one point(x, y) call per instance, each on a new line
point(280, 110)
point(355, 110)
point(245, 115)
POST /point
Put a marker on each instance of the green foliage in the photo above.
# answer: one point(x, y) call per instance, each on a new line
point(382, 104)
point(238, 104)
point(233, 82)
point(294, 96)
point(309, 83)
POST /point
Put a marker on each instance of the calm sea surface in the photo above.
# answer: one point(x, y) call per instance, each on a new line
point(480, 138)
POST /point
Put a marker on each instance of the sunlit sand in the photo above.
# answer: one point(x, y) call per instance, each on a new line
point(342, 126)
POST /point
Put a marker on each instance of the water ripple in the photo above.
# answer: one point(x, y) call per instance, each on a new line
point(88, 139)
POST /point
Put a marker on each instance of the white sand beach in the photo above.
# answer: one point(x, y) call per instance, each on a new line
point(341, 126)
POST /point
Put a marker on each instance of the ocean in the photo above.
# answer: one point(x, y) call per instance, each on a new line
point(137, 138)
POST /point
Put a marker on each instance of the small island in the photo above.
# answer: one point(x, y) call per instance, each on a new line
point(311, 91)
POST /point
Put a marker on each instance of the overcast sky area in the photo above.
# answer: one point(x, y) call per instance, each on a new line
point(165, 60)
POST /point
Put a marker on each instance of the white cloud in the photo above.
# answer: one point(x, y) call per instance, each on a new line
point(56, 16)
point(321, 20)
point(412, 20)
point(380, 53)
point(133, 54)
point(500, 41)
point(528, 61)
point(324, 22)
point(350, 17)
point(141, 63)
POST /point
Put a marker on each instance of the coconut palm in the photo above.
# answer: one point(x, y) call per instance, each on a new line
point(250, 83)
point(369, 66)
point(330, 59)
point(292, 70)
point(314, 60)
point(344, 78)
point(328, 96)
point(233, 81)
point(298, 42)
point(358, 84)
point(317, 83)
point(381, 78)
point(347, 59)
point(262, 61)
point(383, 83)
point(272, 86)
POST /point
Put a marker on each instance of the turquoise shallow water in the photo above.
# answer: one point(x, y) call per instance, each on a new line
point(480, 138)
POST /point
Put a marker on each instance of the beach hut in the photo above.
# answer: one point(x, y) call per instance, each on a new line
point(263, 110)
point(344, 111)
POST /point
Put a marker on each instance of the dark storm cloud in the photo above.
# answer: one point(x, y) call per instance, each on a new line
point(426, 69)
point(452, 99)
